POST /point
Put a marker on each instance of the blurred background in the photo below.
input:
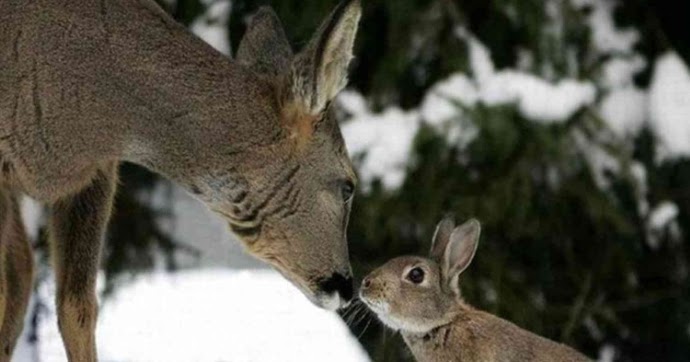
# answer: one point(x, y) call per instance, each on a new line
point(563, 125)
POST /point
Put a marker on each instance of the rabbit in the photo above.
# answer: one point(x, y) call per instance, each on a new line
point(420, 297)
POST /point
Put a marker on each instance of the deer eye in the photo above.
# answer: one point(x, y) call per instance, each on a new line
point(416, 275)
point(347, 190)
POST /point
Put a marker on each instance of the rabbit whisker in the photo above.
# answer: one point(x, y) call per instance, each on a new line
point(365, 326)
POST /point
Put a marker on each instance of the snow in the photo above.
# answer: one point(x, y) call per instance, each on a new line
point(619, 71)
point(662, 215)
point(661, 219)
point(205, 315)
point(32, 212)
point(442, 101)
point(384, 142)
point(480, 59)
point(639, 174)
point(625, 110)
point(537, 99)
point(162, 317)
point(607, 353)
point(444, 109)
point(353, 102)
point(599, 160)
point(624, 107)
point(670, 105)
point(211, 315)
point(606, 37)
point(212, 26)
point(193, 225)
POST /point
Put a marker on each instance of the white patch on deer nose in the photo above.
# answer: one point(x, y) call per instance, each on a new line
point(331, 301)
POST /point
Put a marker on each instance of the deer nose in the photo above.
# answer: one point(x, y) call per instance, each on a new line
point(340, 284)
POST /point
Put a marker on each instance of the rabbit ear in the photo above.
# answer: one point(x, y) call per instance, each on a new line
point(441, 238)
point(459, 252)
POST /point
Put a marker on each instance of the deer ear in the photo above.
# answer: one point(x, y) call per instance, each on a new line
point(319, 72)
point(459, 252)
point(265, 47)
point(441, 238)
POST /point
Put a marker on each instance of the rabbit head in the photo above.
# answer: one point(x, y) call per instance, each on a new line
point(415, 294)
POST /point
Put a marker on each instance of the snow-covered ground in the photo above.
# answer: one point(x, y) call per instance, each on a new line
point(208, 315)
point(248, 313)
point(192, 224)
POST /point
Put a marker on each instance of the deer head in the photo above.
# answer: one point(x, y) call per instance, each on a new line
point(288, 195)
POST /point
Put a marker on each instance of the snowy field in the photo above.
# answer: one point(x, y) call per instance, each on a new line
point(208, 316)
point(246, 314)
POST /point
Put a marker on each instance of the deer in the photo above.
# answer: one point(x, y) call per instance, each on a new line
point(86, 85)
point(421, 298)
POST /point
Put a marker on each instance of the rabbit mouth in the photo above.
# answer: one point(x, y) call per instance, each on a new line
point(393, 321)
point(382, 311)
point(376, 305)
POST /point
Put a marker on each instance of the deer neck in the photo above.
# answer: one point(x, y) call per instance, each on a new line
point(122, 80)
point(189, 100)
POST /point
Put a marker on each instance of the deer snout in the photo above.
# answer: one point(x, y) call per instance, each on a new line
point(339, 287)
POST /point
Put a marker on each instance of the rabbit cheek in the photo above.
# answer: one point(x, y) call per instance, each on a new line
point(375, 301)
point(375, 297)
point(387, 312)
point(389, 321)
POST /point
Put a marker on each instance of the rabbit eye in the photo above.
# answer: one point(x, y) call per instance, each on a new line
point(416, 275)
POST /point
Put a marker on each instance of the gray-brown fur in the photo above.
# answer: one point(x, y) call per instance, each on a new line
point(86, 84)
point(16, 273)
point(436, 324)
point(77, 224)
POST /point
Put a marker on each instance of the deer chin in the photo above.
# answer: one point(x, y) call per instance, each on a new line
point(329, 301)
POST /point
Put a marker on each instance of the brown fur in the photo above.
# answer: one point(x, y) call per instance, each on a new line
point(86, 84)
point(301, 125)
point(436, 324)
point(16, 274)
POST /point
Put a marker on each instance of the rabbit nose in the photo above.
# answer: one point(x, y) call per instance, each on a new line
point(366, 283)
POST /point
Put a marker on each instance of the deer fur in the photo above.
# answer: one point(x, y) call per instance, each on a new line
point(436, 324)
point(85, 85)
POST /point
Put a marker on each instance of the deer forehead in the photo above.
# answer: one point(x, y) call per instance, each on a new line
point(300, 125)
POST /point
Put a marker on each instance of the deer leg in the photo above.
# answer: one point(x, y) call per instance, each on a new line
point(4, 249)
point(18, 276)
point(77, 227)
